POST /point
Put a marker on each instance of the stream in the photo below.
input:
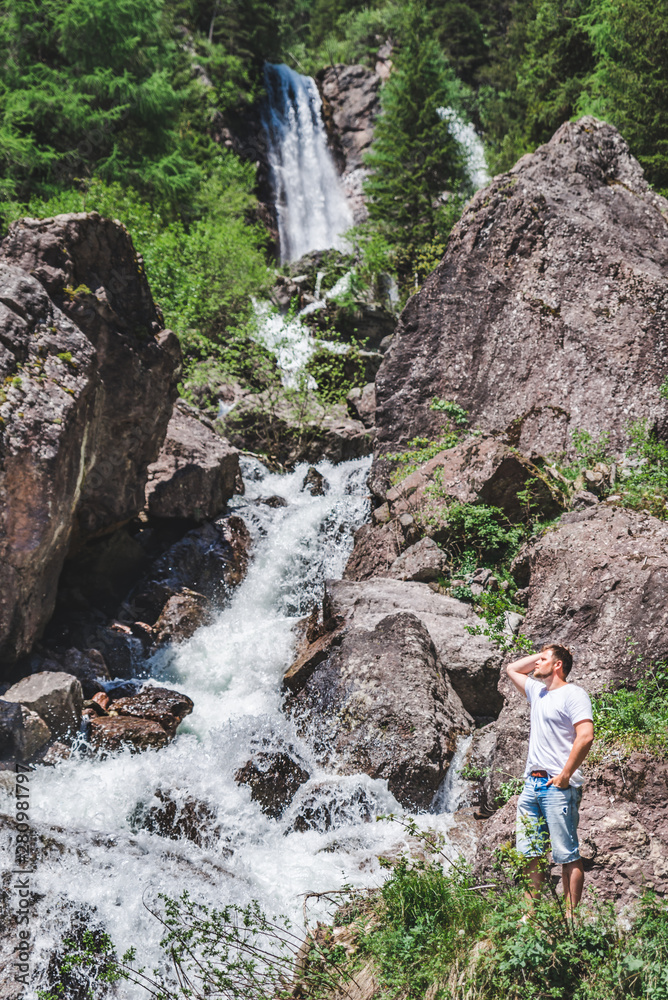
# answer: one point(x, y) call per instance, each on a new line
point(97, 854)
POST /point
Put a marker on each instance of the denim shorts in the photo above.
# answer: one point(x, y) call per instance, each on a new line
point(546, 816)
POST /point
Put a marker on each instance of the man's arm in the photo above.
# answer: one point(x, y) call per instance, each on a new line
point(518, 670)
point(584, 737)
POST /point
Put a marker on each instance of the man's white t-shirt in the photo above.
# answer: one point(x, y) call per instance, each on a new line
point(553, 717)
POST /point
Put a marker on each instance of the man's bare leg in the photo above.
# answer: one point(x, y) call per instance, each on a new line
point(535, 870)
point(572, 878)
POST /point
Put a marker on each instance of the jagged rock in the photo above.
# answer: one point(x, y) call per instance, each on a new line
point(331, 804)
point(86, 415)
point(55, 753)
point(161, 705)
point(595, 581)
point(623, 829)
point(112, 733)
point(362, 404)
point(209, 560)
point(470, 662)
point(423, 561)
point(548, 309)
point(315, 483)
point(181, 616)
point(314, 653)
point(36, 733)
point(12, 734)
point(478, 470)
point(55, 696)
point(195, 473)
point(176, 815)
point(273, 779)
point(382, 706)
point(351, 105)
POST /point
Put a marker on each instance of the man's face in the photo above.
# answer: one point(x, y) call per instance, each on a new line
point(546, 664)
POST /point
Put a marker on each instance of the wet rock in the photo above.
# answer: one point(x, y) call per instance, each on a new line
point(332, 804)
point(623, 829)
point(162, 705)
point(423, 561)
point(470, 662)
point(55, 753)
point(12, 735)
point(102, 699)
point(595, 580)
point(88, 667)
point(548, 277)
point(315, 483)
point(273, 501)
point(209, 560)
point(181, 616)
point(382, 706)
point(112, 733)
point(123, 652)
point(351, 105)
point(195, 473)
point(88, 412)
point(362, 404)
point(176, 815)
point(273, 779)
point(36, 733)
point(57, 697)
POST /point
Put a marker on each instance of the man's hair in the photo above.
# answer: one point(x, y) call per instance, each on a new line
point(562, 653)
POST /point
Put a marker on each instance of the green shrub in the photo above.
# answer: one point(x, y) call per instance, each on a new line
point(633, 718)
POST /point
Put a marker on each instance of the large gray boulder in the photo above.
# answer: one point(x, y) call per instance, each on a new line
point(549, 308)
point(196, 472)
point(56, 697)
point(89, 378)
point(381, 705)
point(470, 662)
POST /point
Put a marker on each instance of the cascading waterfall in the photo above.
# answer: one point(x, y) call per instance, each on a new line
point(311, 207)
point(98, 853)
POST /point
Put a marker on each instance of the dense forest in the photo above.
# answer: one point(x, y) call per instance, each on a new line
point(117, 105)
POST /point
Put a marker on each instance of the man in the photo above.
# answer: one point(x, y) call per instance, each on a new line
point(562, 732)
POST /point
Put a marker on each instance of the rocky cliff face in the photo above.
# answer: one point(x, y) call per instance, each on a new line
point(350, 106)
point(89, 381)
point(548, 312)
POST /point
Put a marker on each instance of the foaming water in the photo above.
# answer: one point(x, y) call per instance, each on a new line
point(100, 850)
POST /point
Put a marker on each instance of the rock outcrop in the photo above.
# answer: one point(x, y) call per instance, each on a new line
point(383, 707)
point(549, 308)
point(470, 662)
point(89, 381)
point(351, 104)
point(598, 581)
point(477, 470)
point(196, 472)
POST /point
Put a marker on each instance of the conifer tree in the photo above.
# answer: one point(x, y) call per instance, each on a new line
point(414, 158)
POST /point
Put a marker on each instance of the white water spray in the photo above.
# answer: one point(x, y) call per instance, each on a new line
point(98, 854)
point(311, 207)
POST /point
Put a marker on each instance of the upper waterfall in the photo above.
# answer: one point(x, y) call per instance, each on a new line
point(311, 208)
